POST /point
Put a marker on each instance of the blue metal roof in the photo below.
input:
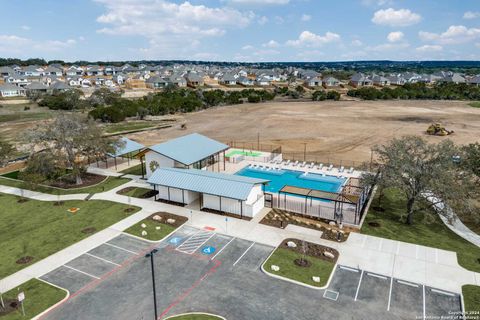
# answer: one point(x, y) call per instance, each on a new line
point(190, 148)
point(128, 146)
point(213, 183)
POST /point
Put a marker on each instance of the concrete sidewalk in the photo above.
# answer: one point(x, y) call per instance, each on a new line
point(429, 266)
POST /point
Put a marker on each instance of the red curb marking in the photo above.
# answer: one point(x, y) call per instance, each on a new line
point(209, 228)
point(187, 292)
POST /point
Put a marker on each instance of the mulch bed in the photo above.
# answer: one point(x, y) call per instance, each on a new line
point(179, 220)
point(11, 305)
point(146, 195)
point(129, 210)
point(89, 230)
point(24, 260)
point(313, 249)
point(236, 216)
point(284, 218)
point(22, 200)
point(374, 224)
point(68, 182)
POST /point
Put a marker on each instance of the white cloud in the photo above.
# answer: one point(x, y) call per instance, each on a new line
point(453, 35)
point(258, 2)
point(310, 39)
point(262, 20)
point(306, 17)
point(248, 47)
point(395, 36)
point(357, 43)
point(271, 44)
point(26, 28)
point(471, 15)
point(429, 48)
point(378, 3)
point(12, 44)
point(396, 18)
point(388, 47)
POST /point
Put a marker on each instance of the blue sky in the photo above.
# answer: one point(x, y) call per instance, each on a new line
point(241, 30)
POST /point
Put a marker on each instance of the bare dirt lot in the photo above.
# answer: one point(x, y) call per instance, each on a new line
point(342, 130)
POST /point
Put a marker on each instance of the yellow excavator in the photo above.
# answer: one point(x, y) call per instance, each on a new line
point(436, 129)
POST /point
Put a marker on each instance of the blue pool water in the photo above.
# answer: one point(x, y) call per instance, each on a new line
point(279, 179)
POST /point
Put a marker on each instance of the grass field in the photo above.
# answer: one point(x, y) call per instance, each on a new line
point(136, 170)
point(284, 258)
point(475, 104)
point(39, 228)
point(108, 184)
point(39, 296)
point(24, 116)
point(428, 230)
point(471, 296)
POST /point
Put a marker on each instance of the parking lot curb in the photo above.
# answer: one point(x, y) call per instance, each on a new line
point(294, 281)
point(39, 316)
point(194, 313)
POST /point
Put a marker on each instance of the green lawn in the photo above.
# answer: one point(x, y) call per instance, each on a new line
point(137, 170)
point(428, 230)
point(39, 296)
point(152, 233)
point(40, 228)
point(127, 126)
point(108, 184)
point(284, 258)
point(475, 104)
point(195, 317)
point(471, 297)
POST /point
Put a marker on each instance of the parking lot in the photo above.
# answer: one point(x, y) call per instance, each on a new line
point(200, 270)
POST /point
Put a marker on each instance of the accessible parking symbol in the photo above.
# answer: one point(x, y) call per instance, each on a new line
point(208, 250)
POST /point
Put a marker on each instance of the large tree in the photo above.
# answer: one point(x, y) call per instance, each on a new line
point(72, 139)
point(6, 151)
point(471, 158)
point(422, 170)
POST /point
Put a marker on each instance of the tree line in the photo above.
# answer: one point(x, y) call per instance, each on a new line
point(440, 91)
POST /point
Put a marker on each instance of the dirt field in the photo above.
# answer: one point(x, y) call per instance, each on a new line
point(342, 130)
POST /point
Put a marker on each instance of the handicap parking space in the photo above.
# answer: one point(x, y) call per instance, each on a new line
point(407, 299)
point(374, 290)
point(178, 237)
point(68, 278)
point(214, 245)
point(441, 304)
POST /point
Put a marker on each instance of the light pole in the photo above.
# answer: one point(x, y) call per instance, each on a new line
point(150, 255)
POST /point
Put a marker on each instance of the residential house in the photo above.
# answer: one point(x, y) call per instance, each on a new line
point(32, 71)
point(58, 86)
point(74, 71)
point(396, 80)
point(228, 79)
point(18, 80)
point(6, 72)
point(119, 78)
point(36, 87)
point(314, 82)
point(245, 81)
point(330, 82)
point(263, 81)
point(110, 70)
point(53, 71)
point(380, 81)
point(454, 78)
point(360, 80)
point(475, 81)
point(9, 90)
point(194, 80)
point(156, 82)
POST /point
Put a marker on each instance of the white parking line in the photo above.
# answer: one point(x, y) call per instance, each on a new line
point(102, 259)
point(443, 292)
point(424, 311)
point(348, 269)
point(112, 245)
point(358, 287)
point(390, 294)
point(244, 253)
point(408, 283)
point(80, 271)
point(222, 248)
point(377, 276)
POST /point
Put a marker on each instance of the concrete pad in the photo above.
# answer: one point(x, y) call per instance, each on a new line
point(373, 243)
point(303, 230)
point(389, 246)
point(91, 265)
point(112, 254)
point(447, 257)
point(407, 300)
point(377, 261)
point(409, 269)
point(431, 255)
point(441, 305)
point(447, 277)
point(421, 253)
point(68, 279)
point(407, 250)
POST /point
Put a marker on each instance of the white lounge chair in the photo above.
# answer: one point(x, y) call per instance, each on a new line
point(311, 165)
point(303, 164)
point(330, 167)
point(350, 170)
point(295, 163)
point(320, 166)
point(342, 168)
point(287, 162)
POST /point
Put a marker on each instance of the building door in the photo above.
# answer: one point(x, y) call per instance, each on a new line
point(268, 200)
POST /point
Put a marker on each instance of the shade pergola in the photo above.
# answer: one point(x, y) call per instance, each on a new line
point(128, 149)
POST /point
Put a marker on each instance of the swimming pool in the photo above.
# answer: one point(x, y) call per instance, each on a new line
point(280, 178)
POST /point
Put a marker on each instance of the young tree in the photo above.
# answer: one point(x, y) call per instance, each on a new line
point(471, 158)
point(419, 169)
point(72, 139)
point(6, 151)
